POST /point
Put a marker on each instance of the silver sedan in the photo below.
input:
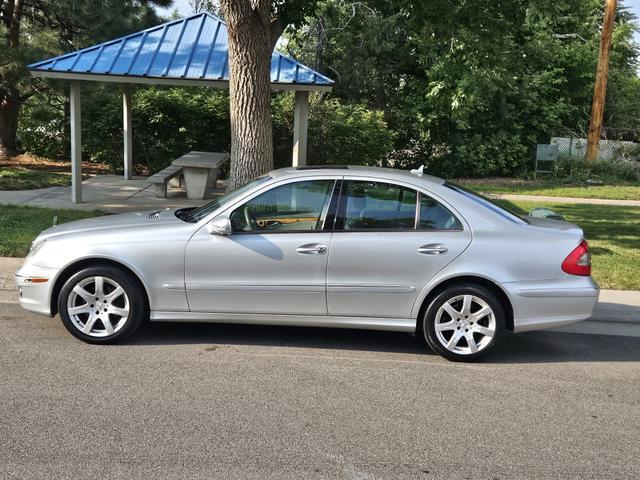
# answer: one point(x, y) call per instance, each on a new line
point(348, 247)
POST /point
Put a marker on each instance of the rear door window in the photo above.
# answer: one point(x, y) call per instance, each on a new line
point(367, 205)
point(433, 216)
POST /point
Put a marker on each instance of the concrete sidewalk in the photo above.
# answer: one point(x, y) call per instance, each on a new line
point(110, 193)
point(618, 311)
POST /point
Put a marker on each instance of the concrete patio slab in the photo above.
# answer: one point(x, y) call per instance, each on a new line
point(110, 193)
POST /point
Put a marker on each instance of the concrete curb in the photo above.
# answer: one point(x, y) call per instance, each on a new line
point(596, 327)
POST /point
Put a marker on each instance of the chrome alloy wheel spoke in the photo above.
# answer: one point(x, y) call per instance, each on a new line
point(98, 306)
point(465, 324)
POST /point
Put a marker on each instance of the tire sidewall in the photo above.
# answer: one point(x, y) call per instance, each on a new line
point(428, 322)
point(132, 290)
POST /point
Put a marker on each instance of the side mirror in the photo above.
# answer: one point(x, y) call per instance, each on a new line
point(219, 226)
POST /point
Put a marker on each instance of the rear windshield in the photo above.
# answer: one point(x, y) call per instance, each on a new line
point(501, 210)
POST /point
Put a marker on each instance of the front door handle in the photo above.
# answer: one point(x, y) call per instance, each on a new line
point(433, 249)
point(312, 249)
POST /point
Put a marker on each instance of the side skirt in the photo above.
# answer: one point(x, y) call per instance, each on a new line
point(367, 323)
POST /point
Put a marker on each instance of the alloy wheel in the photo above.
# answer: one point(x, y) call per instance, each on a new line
point(98, 306)
point(465, 324)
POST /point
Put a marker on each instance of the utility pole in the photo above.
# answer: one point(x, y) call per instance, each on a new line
point(600, 89)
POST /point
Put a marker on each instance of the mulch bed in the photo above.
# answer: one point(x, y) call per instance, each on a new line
point(33, 162)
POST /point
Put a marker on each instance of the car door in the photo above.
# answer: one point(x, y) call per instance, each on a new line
point(389, 241)
point(275, 259)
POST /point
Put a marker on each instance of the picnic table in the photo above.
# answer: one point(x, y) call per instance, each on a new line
point(200, 170)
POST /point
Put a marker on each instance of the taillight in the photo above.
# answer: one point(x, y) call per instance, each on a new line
point(579, 261)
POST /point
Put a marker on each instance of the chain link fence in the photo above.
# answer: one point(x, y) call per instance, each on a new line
point(575, 148)
point(618, 154)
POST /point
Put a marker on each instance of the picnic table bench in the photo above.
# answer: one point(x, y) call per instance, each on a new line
point(161, 179)
point(199, 169)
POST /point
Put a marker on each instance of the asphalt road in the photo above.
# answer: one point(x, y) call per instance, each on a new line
point(220, 401)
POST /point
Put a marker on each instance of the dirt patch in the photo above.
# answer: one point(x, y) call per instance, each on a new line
point(34, 162)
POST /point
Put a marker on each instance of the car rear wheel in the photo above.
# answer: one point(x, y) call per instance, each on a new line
point(463, 323)
point(101, 305)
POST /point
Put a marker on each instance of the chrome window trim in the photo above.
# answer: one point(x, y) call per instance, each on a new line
point(274, 182)
point(325, 207)
point(419, 194)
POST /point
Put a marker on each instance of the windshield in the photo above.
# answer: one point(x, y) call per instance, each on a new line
point(490, 204)
point(196, 214)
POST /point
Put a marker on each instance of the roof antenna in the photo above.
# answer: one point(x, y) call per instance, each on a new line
point(418, 171)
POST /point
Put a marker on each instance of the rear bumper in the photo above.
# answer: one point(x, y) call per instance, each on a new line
point(541, 305)
point(35, 297)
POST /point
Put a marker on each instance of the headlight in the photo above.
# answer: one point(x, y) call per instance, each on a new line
point(35, 246)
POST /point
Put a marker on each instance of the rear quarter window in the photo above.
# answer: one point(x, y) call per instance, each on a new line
point(489, 204)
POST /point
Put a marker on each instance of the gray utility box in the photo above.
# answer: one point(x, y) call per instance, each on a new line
point(545, 153)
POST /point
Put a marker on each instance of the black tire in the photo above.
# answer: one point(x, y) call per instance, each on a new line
point(487, 342)
point(137, 305)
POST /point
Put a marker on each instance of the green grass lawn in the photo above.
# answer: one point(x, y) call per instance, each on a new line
point(619, 191)
point(613, 233)
point(20, 225)
point(12, 178)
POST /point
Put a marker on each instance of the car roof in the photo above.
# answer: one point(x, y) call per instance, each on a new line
point(374, 172)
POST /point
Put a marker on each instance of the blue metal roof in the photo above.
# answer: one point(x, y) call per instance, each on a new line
point(192, 48)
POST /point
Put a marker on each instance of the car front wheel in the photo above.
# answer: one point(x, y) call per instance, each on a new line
point(101, 305)
point(463, 323)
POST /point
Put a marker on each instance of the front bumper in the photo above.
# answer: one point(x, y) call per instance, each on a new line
point(34, 288)
point(537, 305)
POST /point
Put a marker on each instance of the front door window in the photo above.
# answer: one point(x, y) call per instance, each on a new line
point(293, 207)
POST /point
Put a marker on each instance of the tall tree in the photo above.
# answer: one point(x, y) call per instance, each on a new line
point(73, 23)
point(12, 74)
point(254, 28)
point(470, 89)
point(249, 25)
point(198, 6)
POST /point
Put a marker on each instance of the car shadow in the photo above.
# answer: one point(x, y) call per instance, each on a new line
point(533, 347)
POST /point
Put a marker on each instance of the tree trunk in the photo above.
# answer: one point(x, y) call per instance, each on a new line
point(9, 105)
point(250, 47)
point(9, 110)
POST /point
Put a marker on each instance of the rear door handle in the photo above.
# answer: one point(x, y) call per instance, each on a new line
point(433, 249)
point(312, 249)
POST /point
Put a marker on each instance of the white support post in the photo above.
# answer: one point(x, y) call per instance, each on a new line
point(128, 133)
point(76, 143)
point(300, 122)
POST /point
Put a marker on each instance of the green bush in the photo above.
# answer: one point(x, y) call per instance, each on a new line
point(339, 134)
point(578, 169)
point(41, 131)
point(499, 153)
point(168, 122)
